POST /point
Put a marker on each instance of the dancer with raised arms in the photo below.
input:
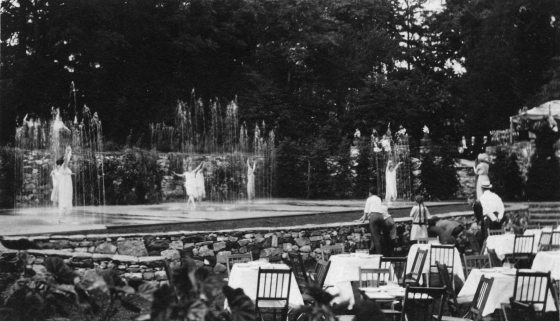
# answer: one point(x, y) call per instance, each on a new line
point(190, 183)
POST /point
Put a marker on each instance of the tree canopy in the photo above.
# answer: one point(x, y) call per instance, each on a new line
point(310, 68)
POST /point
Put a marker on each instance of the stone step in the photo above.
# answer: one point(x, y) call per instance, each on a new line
point(544, 204)
point(545, 215)
point(545, 221)
point(544, 209)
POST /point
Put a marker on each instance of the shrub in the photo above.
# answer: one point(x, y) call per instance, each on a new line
point(133, 178)
point(439, 177)
point(543, 181)
point(505, 176)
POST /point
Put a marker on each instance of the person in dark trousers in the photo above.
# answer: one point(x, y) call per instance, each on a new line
point(373, 212)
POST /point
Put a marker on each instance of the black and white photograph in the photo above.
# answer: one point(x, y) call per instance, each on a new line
point(279, 160)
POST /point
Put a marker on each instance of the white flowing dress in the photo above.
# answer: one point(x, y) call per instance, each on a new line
point(250, 183)
point(65, 190)
point(390, 184)
point(190, 183)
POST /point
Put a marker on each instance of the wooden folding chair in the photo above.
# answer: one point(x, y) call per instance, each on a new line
point(532, 288)
point(544, 242)
point(444, 254)
point(478, 303)
point(320, 273)
point(522, 255)
point(518, 311)
point(475, 262)
point(446, 281)
point(237, 258)
point(423, 304)
point(413, 278)
point(296, 263)
point(273, 294)
point(494, 259)
point(373, 277)
point(328, 250)
point(397, 265)
point(555, 240)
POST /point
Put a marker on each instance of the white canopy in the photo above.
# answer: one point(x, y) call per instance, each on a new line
point(537, 113)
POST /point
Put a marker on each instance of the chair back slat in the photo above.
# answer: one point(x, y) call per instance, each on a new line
point(397, 265)
point(523, 244)
point(328, 250)
point(238, 258)
point(475, 262)
point(418, 265)
point(423, 304)
point(373, 277)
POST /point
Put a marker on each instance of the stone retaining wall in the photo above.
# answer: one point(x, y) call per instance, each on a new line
point(143, 256)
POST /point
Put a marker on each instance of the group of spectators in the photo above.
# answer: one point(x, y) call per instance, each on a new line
point(488, 210)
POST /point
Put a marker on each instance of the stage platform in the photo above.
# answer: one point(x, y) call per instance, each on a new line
point(207, 216)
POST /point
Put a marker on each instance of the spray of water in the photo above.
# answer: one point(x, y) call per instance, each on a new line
point(213, 134)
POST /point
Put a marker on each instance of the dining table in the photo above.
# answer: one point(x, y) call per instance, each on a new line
point(245, 276)
point(457, 262)
point(501, 291)
point(547, 261)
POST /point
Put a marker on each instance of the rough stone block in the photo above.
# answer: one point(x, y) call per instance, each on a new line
point(133, 247)
point(177, 245)
point(302, 241)
point(160, 275)
point(106, 248)
point(218, 246)
point(171, 255)
point(305, 248)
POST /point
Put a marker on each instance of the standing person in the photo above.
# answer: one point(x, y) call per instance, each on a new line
point(190, 183)
point(62, 185)
point(391, 181)
point(481, 170)
point(251, 179)
point(492, 208)
point(373, 212)
point(389, 232)
point(420, 216)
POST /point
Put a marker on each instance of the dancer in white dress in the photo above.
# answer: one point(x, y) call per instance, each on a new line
point(391, 181)
point(190, 183)
point(62, 192)
point(251, 179)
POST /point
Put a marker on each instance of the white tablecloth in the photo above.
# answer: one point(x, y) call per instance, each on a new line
point(548, 261)
point(457, 263)
point(245, 276)
point(346, 267)
point(502, 288)
point(503, 244)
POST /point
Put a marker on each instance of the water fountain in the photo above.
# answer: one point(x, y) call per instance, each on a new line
point(214, 134)
point(39, 143)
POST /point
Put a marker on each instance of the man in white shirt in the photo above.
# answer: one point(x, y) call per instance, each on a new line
point(492, 208)
point(380, 222)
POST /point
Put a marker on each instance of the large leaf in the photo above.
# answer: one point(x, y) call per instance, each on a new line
point(61, 272)
point(146, 290)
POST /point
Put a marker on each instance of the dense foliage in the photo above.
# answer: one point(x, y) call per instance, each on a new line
point(506, 178)
point(314, 68)
point(438, 176)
